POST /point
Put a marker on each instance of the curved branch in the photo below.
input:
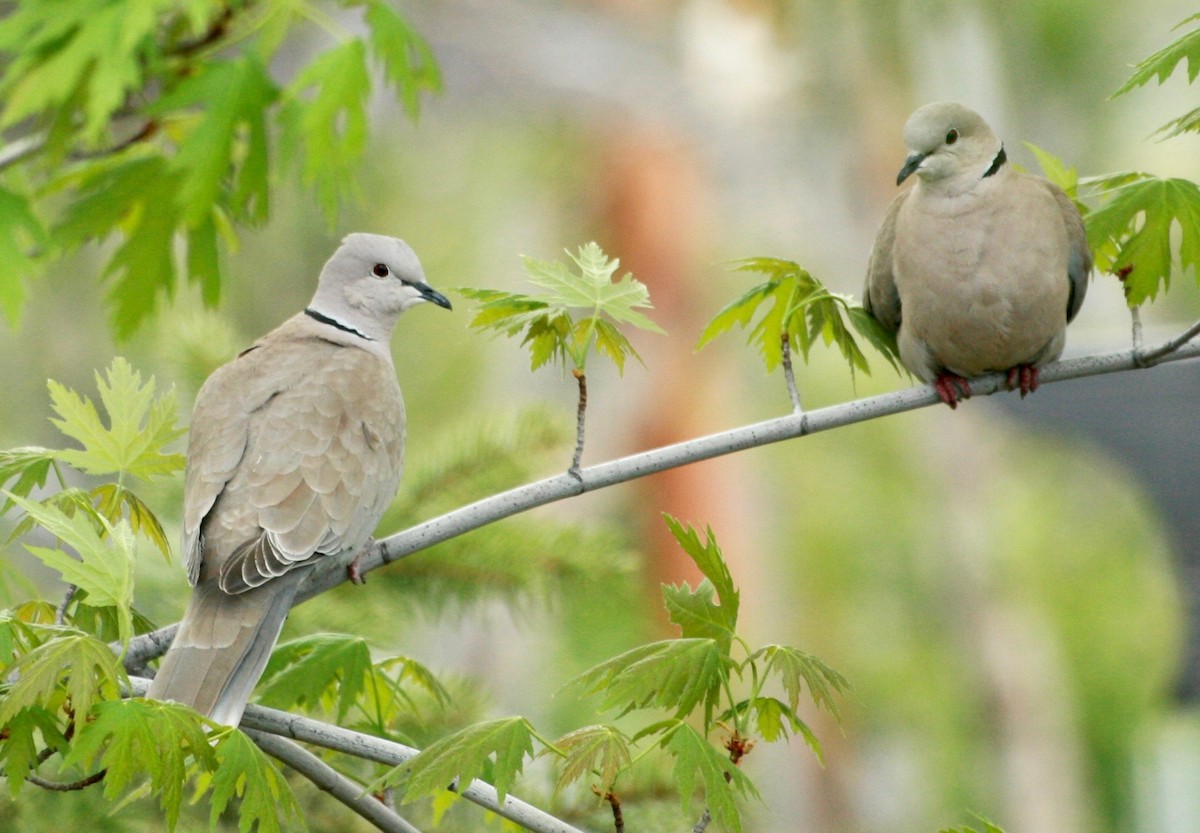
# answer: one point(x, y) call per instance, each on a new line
point(380, 750)
point(332, 571)
point(329, 780)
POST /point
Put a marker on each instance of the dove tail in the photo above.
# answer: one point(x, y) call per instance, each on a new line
point(222, 647)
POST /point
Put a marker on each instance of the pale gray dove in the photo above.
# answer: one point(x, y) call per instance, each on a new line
point(295, 450)
point(977, 268)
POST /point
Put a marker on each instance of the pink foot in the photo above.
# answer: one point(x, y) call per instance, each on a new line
point(952, 388)
point(1023, 377)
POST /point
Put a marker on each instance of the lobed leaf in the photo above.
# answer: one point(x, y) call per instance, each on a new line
point(406, 57)
point(575, 312)
point(676, 674)
point(74, 666)
point(104, 567)
point(306, 671)
point(324, 121)
point(802, 309)
point(796, 669)
point(244, 771)
point(26, 733)
point(1163, 62)
point(1131, 233)
point(136, 740)
point(600, 750)
point(496, 747)
point(698, 761)
point(140, 425)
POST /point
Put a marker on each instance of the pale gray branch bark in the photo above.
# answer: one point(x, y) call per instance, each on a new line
point(332, 571)
point(326, 778)
point(370, 748)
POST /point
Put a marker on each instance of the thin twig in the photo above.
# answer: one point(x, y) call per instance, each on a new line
point(60, 612)
point(702, 825)
point(332, 571)
point(327, 779)
point(1135, 314)
point(580, 413)
point(789, 376)
point(59, 786)
point(1149, 358)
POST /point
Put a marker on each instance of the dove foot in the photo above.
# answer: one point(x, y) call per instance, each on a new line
point(952, 388)
point(354, 568)
point(1023, 377)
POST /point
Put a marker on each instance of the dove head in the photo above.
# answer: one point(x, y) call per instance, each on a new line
point(368, 282)
point(948, 142)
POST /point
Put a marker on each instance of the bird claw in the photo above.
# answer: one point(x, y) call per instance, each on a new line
point(952, 388)
point(354, 568)
point(1023, 377)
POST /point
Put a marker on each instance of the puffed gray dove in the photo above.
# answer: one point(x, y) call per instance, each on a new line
point(977, 268)
point(295, 450)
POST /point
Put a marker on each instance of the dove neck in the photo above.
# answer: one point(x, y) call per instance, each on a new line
point(333, 322)
point(997, 163)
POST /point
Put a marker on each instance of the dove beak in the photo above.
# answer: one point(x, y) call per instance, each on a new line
point(433, 296)
point(910, 165)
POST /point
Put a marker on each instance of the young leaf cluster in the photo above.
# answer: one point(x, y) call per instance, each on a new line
point(800, 307)
point(151, 122)
point(575, 312)
point(712, 694)
point(95, 529)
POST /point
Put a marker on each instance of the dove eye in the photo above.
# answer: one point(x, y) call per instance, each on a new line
point(952, 137)
point(380, 271)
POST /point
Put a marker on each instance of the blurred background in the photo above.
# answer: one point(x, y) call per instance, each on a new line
point(1010, 588)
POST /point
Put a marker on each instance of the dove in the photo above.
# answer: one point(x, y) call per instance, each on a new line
point(295, 450)
point(977, 268)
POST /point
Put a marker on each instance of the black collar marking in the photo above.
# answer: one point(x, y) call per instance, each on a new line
point(997, 163)
point(333, 322)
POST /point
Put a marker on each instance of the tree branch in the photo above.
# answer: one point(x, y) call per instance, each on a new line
point(380, 750)
point(789, 375)
point(580, 413)
point(332, 571)
point(329, 780)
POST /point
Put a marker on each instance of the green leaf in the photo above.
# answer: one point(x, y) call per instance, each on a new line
point(575, 312)
point(20, 749)
point(1131, 233)
point(599, 750)
point(244, 771)
point(114, 502)
point(773, 719)
point(796, 669)
point(407, 59)
point(696, 760)
point(324, 121)
point(87, 54)
point(676, 674)
point(306, 671)
point(232, 97)
point(139, 425)
point(20, 233)
point(399, 673)
point(74, 665)
point(711, 562)
point(496, 747)
point(140, 739)
point(1163, 62)
point(802, 309)
point(104, 568)
point(29, 466)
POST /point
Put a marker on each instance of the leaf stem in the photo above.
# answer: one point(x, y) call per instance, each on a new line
point(702, 824)
point(785, 346)
point(580, 413)
point(1135, 313)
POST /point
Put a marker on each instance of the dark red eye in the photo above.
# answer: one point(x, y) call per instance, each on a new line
point(951, 138)
point(380, 270)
